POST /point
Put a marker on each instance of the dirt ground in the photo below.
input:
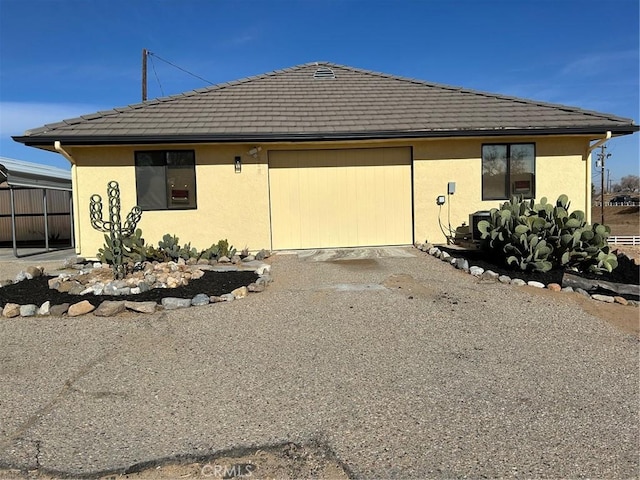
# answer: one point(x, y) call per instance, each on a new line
point(288, 461)
point(622, 220)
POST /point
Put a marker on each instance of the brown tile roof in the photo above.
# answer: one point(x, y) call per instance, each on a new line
point(291, 104)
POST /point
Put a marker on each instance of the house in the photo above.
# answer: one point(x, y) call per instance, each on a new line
point(35, 205)
point(324, 155)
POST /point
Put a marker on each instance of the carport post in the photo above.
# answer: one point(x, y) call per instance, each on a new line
point(13, 222)
point(46, 219)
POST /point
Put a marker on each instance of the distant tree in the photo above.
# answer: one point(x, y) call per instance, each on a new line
point(616, 188)
point(593, 189)
point(630, 183)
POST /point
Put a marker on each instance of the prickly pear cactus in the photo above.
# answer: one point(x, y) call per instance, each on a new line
point(113, 226)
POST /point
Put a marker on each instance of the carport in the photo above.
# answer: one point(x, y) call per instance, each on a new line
point(39, 197)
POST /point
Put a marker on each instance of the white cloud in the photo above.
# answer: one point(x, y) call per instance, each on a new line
point(599, 63)
point(20, 116)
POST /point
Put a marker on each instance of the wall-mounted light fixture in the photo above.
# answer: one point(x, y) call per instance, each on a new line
point(254, 151)
point(238, 164)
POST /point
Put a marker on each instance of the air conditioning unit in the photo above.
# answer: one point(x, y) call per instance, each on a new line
point(474, 219)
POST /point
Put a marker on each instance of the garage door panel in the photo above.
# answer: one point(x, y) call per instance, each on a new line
point(340, 198)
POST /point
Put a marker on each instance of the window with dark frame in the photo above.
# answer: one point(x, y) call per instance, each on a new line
point(166, 179)
point(508, 169)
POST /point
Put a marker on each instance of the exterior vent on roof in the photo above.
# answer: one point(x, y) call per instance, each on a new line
point(324, 72)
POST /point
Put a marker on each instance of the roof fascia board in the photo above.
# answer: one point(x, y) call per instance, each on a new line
point(80, 140)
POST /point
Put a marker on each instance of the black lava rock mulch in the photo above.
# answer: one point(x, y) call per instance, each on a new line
point(627, 271)
point(36, 291)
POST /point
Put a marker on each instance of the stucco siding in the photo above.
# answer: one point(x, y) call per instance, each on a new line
point(561, 166)
point(229, 205)
point(236, 206)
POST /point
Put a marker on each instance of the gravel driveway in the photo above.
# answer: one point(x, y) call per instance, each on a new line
point(436, 375)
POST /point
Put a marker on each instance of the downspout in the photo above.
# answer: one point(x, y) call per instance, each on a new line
point(58, 146)
point(75, 231)
point(590, 149)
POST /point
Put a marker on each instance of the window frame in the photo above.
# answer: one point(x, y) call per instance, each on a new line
point(166, 168)
point(507, 181)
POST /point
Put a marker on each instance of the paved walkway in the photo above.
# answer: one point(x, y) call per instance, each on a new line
point(436, 375)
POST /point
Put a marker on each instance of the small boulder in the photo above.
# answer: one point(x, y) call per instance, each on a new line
point(22, 275)
point(567, 289)
point(476, 271)
point(172, 303)
point(603, 298)
point(200, 299)
point(621, 300)
point(11, 310)
point(462, 264)
point(224, 259)
point(490, 275)
point(44, 308)
point(35, 271)
point(141, 307)
point(554, 287)
point(216, 299)
point(533, 283)
point(504, 279)
point(28, 310)
point(59, 310)
point(254, 287)
point(240, 292)
point(583, 292)
point(518, 282)
point(228, 297)
point(109, 308)
point(80, 308)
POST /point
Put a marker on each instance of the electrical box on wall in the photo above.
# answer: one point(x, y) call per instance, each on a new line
point(451, 188)
point(440, 200)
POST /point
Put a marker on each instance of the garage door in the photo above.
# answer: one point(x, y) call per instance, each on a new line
point(340, 198)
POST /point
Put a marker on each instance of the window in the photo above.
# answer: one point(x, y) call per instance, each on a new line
point(507, 170)
point(166, 179)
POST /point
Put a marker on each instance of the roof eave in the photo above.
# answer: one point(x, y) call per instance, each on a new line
point(82, 140)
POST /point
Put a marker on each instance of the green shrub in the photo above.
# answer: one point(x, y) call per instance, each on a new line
point(540, 237)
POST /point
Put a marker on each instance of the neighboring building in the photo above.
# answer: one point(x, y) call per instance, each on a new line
point(323, 155)
point(35, 205)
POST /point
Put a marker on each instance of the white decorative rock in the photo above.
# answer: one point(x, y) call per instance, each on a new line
point(518, 281)
point(533, 283)
point(603, 298)
point(476, 271)
point(44, 308)
point(504, 279)
point(240, 292)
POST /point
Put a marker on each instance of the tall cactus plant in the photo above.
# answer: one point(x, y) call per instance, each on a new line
point(113, 226)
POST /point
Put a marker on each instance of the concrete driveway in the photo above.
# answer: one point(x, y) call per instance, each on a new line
point(403, 367)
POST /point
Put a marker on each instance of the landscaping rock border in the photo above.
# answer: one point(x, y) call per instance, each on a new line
point(110, 308)
point(463, 264)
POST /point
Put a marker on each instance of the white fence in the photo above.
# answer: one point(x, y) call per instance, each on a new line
point(624, 240)
point(617, 204)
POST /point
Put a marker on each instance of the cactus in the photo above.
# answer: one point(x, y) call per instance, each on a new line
point(541, 236)
point(117, 232)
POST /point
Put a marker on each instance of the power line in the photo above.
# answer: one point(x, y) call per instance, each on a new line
point(153, 65)
point(180, 68)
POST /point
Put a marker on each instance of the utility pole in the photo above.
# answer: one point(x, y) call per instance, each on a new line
point(144, 74)
point(608, 181)
point(602, 156)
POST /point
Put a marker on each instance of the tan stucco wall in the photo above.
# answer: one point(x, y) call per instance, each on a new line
point(232, 206)
point(561, 167)
point(236, 206)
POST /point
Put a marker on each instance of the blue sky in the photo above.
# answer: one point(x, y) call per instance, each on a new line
point(63, 58)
